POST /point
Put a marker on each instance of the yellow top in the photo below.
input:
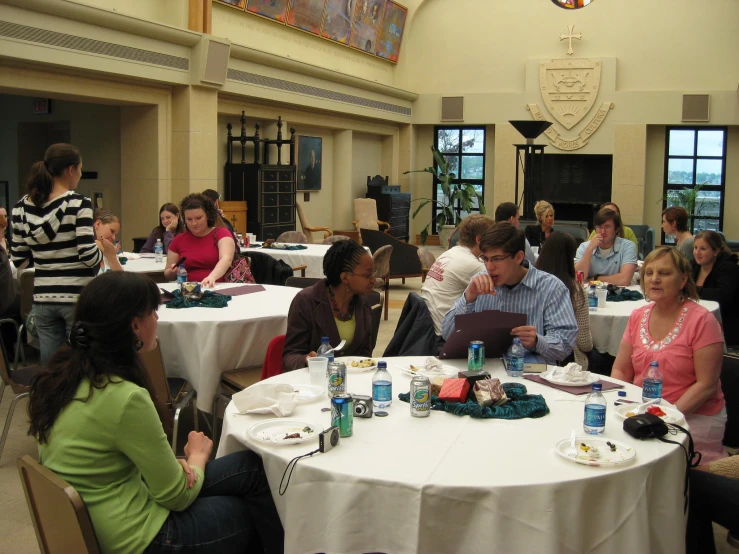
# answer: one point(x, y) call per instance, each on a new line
point(346, 329)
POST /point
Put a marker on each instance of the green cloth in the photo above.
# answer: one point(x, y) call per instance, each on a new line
point(624, 295)
point(519, 405)
point(286, 247)
point(113, 450)
point(628, 235)
point(210, 299)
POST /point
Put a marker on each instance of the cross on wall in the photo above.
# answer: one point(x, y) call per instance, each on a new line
point(569, 37)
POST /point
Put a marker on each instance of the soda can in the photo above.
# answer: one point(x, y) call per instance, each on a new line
point(342, 414)
point(336, 378)
point(420, 396)
point(476, 356)
point(580, 277)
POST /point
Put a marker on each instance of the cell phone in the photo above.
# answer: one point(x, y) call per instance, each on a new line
point(181, 261)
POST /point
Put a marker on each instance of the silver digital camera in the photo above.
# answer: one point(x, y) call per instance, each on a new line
point(328, 439)
point(363, 406)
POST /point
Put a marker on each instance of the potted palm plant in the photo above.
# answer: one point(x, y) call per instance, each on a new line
point(453, 195)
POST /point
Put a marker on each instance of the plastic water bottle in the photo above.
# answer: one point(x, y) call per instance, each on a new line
point(515, 359)
point(593, 298)
point(158, 251)
point(652, 386)
point(325, 347)
point(181, 274)
point(595, 411)
point(382, 386)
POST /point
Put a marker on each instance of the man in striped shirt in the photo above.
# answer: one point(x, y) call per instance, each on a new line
point(508, 286)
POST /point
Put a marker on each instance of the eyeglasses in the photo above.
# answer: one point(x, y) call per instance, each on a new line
point(494, 260)
point(368, 277)
point(600, 228)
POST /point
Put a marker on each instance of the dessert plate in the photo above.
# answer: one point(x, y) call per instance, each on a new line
point(277, 431)
point(595, 451)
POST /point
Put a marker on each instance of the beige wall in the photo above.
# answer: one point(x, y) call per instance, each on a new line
point(366, 161)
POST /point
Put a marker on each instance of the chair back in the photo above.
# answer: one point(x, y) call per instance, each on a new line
point(295, 237)
point(645, 236)
point(273, 358)
point(454, 239)
point(730, 388)
point(301, 282)
point(157, 375)
point(426, 257)
point(335, 238)
point(59, 515)
point(301, 216)
point(381, 258)
point(26, 291)
point(365, 213)
point(404, 262)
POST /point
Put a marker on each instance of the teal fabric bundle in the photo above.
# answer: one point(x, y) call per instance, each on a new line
point(210, 299)
point(519, 405)
point(623, 295)
point(287, 247)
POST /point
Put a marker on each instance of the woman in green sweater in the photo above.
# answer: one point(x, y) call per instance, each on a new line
point(94, 415)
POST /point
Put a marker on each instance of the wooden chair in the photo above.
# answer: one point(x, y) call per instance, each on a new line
point(295, 237)
point(19, 381)
point(60, 517)
point(174, 393)
point(335, 238)
point(365, 215)
point(381, 259)
point(307, 229)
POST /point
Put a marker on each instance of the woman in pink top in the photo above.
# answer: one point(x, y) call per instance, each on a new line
point(686, 340)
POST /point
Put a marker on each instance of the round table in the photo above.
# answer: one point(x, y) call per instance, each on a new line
point(607, 325)
point(199, 344)
point(145, 265)
point(312, 257)
point(455, 484)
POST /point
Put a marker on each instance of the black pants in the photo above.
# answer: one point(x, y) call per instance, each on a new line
point(712, 498)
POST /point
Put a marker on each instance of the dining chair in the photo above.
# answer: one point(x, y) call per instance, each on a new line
point(295, 237)
point(60, 517)
point(381, 259)
point(365, 215)
point(307, 228)
point(334, 238)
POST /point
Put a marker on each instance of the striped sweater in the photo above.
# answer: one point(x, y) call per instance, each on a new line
point(58, 239)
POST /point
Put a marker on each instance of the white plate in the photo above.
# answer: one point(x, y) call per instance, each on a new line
point(623, 453)
point(272, 431)
point(446, 371)
point(673, 414)
point(594, 378)
point(308, 393)
point(349, 359)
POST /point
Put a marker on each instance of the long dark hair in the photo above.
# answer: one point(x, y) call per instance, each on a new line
point(557, 257)
point(57, 159)
point(160, 229)
point(102, 340)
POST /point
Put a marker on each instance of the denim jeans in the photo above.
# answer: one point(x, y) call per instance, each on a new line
point(233, 512)
point(53, 323)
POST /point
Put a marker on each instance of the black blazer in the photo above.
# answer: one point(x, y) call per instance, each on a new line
point(535, 235)
point(311, 317)
point(722, 286)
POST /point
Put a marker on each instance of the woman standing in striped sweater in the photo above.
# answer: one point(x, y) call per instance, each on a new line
point(52, 230)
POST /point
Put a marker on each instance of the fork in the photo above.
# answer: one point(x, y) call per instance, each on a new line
point(572, 452)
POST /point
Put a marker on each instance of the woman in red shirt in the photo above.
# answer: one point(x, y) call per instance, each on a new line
point(209, 249)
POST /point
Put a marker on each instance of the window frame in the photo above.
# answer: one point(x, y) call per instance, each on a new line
point(721, 188)
point(460, 155)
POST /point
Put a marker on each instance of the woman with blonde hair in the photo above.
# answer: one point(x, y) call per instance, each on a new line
point(537, 234)
point(687, 342)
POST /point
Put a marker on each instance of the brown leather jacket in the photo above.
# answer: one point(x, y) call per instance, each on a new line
point(310, 318)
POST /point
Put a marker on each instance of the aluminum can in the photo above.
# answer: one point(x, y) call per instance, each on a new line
point(420, 396)
point(342, 414)
point(476, 356)
point(580, 277)
point(336, 378)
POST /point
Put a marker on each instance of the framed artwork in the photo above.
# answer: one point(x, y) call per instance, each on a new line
point(98, 200)
point(366, 24)
point(272, 9)
point(306, 15)
point(337, 23)
point(309, 163)
point(239, 4)
point(391, 32)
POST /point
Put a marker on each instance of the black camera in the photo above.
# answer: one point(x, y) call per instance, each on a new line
point(363, 406)
point(328, 439)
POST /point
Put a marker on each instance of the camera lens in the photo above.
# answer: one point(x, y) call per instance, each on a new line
point(360, 409)
point(334, 437)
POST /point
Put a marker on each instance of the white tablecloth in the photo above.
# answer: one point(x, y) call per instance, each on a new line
point(607, 325)
point(144, 265)
point(448, 484)
point(312, 257)
point(201, 343)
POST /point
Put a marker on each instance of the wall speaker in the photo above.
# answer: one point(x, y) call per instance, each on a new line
point(696, 107)
point(210, 58)
point(452, 108)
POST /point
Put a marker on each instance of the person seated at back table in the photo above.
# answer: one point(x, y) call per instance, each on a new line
point(538, 234)
point(170, 225)
point(627, 233)
point(675, 223)
point(509, 212)
point(209, 249)
point(451, 272)
point(107, 226)
point(506, 285)
point(337, 307)
point(607, 257)
point(96, 418)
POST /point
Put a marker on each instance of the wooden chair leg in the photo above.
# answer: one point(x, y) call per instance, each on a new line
point(387, 294)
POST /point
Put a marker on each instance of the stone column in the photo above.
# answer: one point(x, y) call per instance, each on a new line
point(629, 171)
point(342, 201)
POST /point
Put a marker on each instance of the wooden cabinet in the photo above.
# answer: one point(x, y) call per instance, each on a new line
point(234, 211)
point(393, 206)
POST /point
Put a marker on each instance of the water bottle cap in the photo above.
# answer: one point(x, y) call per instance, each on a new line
point(325, 339)
point(655, 363)
point(516, 341)
point(381, 365)
point(597, 386)
point(622, 393)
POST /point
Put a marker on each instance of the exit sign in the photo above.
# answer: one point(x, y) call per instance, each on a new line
point(42, 106)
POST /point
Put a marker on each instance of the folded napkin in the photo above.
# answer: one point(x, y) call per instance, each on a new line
point(279, 400)
point(433, 365)
point(210, 299)
point(572, 374)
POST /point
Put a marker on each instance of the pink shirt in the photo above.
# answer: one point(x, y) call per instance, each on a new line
point(201, 252)
point(695, 328)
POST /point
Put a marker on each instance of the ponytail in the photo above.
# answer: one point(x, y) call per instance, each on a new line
point(57, 159)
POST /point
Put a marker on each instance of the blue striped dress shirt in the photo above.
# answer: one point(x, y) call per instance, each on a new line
point(546, 302)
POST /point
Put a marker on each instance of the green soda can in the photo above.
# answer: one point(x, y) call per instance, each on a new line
point(476, 356)
point(342, 414)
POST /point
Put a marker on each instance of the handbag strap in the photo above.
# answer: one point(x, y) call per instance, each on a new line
point(692, 458)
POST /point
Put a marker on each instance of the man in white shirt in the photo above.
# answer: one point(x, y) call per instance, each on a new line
point(450, 274)
point(509, 212)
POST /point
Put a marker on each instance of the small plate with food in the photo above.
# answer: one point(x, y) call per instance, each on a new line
point(596, 451)
point(357, 364)
point(429, 370)
point(284, 431)
point(668, 414)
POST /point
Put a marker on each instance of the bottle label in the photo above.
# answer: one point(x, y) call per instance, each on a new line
point(515, 363)
point(382, 392)
point(595, 415)
point(652, 388)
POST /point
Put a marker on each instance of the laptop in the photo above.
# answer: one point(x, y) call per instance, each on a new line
point(493, 327)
